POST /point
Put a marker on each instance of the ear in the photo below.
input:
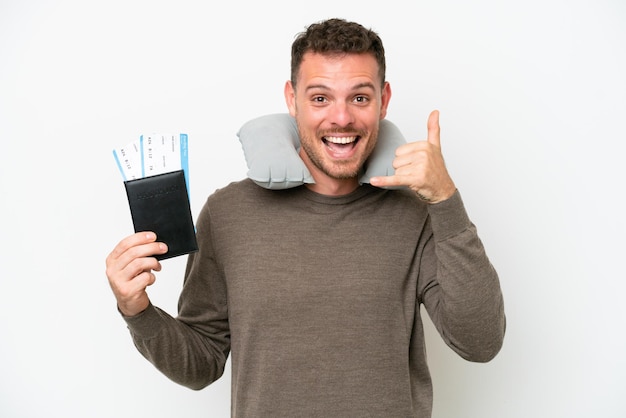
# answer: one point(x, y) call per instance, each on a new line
point(384, 100)
point(290, 98)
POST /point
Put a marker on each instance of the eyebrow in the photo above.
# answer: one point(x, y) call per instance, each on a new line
point(355, 87)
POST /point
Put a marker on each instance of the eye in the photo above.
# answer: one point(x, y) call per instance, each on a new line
point(319, 99)
point(361, 99)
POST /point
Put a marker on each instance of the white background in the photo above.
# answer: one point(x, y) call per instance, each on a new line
point(533, 104)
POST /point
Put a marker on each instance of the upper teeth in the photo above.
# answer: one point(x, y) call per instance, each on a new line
point(340, 139)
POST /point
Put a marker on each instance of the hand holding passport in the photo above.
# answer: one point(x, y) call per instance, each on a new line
point(155, 170)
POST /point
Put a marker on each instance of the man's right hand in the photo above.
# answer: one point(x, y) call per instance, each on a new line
point(130, 268)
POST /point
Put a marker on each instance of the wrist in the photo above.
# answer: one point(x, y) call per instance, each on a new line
point(131, 311)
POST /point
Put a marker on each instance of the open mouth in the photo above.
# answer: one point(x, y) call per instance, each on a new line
point(342, 140)
point(341, 145)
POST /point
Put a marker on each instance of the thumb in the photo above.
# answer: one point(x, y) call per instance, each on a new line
point(433, 128)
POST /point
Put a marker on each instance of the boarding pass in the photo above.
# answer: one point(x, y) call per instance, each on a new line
point(153, 154)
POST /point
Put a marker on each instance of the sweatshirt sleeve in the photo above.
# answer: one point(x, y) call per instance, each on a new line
point(192, 348)
point(461, 290)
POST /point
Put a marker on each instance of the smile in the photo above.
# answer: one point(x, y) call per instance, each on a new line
point(341, 147)
point(340, 139)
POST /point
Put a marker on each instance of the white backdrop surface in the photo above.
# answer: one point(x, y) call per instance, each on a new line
point(533, 102)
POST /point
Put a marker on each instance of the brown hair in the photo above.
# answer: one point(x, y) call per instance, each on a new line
point(336, 37)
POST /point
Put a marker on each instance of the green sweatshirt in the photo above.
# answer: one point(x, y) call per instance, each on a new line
point(317, 299)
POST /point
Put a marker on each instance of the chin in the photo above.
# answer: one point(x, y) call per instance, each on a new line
point(343, 173)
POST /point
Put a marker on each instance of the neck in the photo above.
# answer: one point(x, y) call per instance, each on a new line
point(335, 188)
point(325, 184)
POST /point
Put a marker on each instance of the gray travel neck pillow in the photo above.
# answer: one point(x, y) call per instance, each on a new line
point(271, 145)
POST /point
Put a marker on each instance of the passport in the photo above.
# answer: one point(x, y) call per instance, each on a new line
point(160, 203)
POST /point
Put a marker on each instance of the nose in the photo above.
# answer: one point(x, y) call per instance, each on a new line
point(341, 114)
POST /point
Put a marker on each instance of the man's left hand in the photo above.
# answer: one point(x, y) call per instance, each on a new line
point(420, 166)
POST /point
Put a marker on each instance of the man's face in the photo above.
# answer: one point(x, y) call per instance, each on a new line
point(338, 104)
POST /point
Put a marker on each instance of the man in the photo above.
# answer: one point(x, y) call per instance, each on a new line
point(316, 290)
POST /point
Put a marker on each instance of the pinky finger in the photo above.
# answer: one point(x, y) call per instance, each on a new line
point(385, 181)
